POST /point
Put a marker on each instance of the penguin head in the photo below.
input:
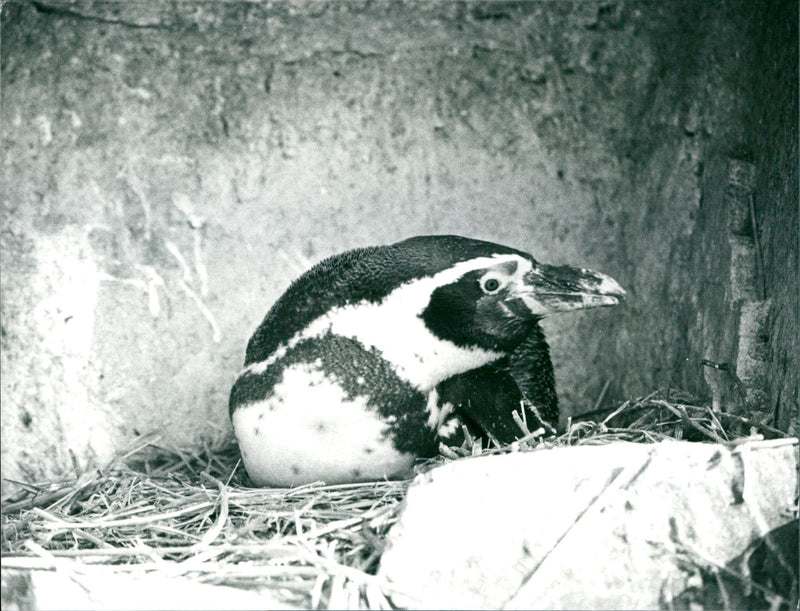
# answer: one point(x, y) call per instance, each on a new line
point(497, 304)
point(483, 306)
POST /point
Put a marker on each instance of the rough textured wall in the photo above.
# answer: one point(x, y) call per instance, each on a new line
point(715, 164)
point(169, 167)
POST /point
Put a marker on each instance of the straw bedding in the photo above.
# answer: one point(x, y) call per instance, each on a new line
point(315, 546)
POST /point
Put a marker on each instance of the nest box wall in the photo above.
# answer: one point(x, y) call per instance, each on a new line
point(170, 167)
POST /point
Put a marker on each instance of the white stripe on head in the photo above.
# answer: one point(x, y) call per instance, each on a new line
point(394, 327)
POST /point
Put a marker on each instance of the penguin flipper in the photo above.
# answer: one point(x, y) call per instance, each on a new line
point(532, 370)
point(483, 399)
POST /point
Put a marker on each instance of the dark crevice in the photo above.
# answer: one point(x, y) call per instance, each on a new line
point(49, 9)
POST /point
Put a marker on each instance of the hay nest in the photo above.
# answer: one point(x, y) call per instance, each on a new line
point(315, 546)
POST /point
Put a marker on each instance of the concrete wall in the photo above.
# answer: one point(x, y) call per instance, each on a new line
point(170, 167)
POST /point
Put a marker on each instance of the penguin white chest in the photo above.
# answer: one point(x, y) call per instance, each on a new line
point(308, 429)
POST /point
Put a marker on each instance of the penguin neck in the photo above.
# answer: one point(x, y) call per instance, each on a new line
point(418, 356)
point(425, 366)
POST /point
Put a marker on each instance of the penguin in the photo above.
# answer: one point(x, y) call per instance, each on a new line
point(375, 355)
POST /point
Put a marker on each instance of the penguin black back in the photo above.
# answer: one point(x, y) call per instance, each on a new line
point(363, 274)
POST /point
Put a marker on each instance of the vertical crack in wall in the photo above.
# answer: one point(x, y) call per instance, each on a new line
point(747, 286)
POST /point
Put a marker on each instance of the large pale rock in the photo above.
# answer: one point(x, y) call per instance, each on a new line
point(609, 526)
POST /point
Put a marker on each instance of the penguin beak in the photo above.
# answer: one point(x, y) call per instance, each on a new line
point(550, 289)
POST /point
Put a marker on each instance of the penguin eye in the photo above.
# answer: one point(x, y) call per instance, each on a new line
point(490, 285)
